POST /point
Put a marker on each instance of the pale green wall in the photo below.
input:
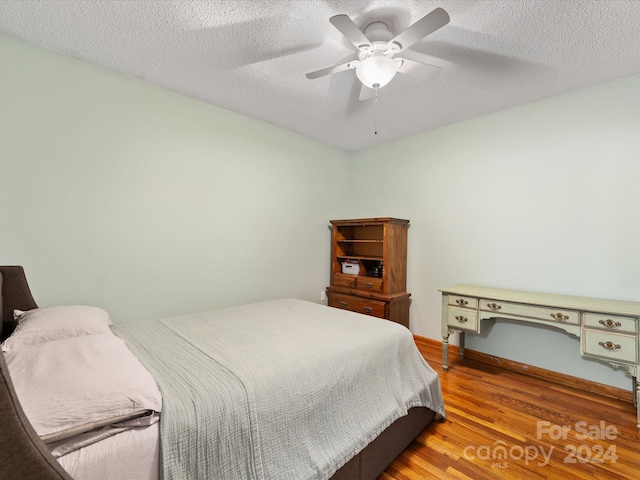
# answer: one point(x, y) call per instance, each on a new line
point(542, 197)
point(117, 193)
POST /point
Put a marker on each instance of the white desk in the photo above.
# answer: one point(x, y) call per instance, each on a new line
point(608, 329)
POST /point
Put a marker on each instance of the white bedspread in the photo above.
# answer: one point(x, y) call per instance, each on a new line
point(284, 389)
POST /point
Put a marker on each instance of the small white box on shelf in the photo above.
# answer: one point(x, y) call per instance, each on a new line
point(352, 267)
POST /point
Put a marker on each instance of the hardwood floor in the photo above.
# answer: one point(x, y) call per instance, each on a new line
point(505, 425)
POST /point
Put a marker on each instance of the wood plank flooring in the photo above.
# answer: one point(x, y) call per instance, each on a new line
point(505, 425)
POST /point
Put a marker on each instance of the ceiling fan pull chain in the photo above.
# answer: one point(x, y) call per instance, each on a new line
point(375, 111)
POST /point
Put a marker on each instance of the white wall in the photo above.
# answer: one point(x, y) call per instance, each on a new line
point(542, 197)
point(120, 194)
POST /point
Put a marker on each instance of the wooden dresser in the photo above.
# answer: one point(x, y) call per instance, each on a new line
point(608, 329)
point(369, 267)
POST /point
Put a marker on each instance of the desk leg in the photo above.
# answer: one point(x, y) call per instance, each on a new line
point(445, 352)
point(461, 348)
point(636, 395)
point(444, 329)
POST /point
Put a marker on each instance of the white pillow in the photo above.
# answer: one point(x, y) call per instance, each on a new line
point(80, 381)
point(53, 323)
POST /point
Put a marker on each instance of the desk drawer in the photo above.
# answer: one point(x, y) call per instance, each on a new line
point(611, 322)
point(462, 318)
point(467, 302)
point(357, 304)
point(530, 311)
point(614, 346)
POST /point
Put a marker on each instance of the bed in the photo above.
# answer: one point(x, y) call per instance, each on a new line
point(382, 416)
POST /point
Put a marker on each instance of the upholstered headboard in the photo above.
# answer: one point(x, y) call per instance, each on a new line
point(15, 295)
point(24, 455)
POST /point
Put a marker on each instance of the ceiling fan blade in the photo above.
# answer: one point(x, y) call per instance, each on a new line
point(428, 24)
point(350, 30)
point(418, 69)
point(366, 93)
point(332, 70)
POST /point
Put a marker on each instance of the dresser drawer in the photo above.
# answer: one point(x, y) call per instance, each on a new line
point(369, 284)
point(467, 302)
point(357, 304)
point(344, 280)
point(614, 346)
point(571, 317)
point(462, 318)
point(611, 322)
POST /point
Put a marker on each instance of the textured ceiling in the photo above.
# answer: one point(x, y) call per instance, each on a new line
point(251, 57)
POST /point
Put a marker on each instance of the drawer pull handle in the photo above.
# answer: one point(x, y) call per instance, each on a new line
point(461, 302)
point(368, 284)
point(560, 317)
point(367, 309)
point(494, 306)
point(343, 303)
point(461, 319)
point(609, 345)
point(609, 323)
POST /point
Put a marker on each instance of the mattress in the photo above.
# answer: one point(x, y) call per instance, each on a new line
point(131, 454)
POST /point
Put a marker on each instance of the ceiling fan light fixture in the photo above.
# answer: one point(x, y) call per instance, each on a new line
point(376, 71)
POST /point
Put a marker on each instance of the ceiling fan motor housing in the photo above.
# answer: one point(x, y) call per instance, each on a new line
point(378, 32)
point(379, 35)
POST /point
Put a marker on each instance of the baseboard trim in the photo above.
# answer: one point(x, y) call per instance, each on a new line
point(523, 368)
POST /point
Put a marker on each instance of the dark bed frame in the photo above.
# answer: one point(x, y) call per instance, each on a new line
point(25, 456)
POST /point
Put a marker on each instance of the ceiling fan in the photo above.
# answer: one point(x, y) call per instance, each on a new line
point(377, 64)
